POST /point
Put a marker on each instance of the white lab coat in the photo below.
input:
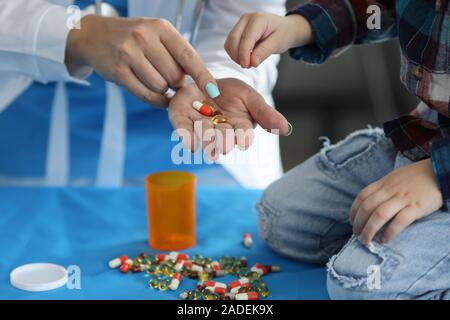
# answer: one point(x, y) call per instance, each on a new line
point(33, 37)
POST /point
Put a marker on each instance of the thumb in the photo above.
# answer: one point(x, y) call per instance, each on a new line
point(263, 50)
point(266, 116)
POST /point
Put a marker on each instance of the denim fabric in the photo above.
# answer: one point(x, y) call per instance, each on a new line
point(304, 216)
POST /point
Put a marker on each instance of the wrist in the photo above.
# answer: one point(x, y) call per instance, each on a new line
point(78, 46)
point(301, 30)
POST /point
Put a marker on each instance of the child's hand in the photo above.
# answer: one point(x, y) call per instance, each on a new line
point(258, 35)
point(403, 196)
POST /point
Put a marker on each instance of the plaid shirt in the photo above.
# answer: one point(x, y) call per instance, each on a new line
point(423, 30)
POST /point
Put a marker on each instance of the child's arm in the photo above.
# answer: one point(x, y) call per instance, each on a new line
point(316, 30)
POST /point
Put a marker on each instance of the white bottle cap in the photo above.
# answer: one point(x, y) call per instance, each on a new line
point(38, 277)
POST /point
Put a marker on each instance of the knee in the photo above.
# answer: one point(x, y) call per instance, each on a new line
point(284, 225)
point(362, 273)
point(271, 215)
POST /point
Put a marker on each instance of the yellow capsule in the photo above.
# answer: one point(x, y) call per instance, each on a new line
point(203, 276)
point(211, 296)
point(253, 275)
point(154, 283)
point(167, 270)
point(164, 285)
point(217, 113)
point(219, 119)
point(196, 295)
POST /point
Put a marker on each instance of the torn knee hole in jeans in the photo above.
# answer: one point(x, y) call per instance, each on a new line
point(365, 268)
point(352, 147)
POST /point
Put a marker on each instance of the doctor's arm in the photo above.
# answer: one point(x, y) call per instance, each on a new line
point(144, 55)
point(32, 39)
point(32, 46)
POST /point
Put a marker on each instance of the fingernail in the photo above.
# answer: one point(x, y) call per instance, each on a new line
point(290, 130)
point(212, 90)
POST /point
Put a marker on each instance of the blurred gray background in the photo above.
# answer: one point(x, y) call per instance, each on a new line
point(347, 93)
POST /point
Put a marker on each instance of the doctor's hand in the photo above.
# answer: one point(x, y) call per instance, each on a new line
point(146, 56)
point(240, 103)
point(258, 35)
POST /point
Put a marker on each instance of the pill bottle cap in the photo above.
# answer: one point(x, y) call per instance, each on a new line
point(38, 277)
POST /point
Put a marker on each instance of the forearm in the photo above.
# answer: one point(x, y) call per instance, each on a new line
point(78, 44)
point(336, 25)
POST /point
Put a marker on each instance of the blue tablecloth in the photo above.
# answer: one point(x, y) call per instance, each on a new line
point(87, 227)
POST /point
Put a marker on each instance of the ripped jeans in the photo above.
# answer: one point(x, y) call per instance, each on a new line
point(304, 215)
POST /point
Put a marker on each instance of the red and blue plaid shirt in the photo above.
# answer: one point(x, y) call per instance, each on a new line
point(423, 30)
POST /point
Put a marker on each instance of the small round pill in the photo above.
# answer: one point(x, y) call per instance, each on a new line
point(247, 240)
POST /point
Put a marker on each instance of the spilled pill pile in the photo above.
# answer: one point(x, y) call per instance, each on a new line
point(167, 271)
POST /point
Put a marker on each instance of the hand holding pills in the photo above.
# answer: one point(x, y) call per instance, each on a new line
point(146, 56)
point(241, 108)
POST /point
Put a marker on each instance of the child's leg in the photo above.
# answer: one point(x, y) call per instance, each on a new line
point(415, 265)
point(304, 215)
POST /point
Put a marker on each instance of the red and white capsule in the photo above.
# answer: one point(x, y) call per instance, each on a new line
point(161, 257)
point(196, 267)
point(262, 270)
point(217, 290)
point(117, 262)
point(179, 265)
point(238, 283)
point(175, 282)
point(247, 240)
point(215, 284)
point(176, 256)
point(203, 108)
point(182, 257)
point(247, 296)
point(215, 265)
point(184, 295)
point(126, 265)
point(237, 289)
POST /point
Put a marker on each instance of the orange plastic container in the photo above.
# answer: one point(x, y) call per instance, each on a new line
point(171, 210)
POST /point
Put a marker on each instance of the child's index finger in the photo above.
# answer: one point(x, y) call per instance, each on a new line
point(250, 37)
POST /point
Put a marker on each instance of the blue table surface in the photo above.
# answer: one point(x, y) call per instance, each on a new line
point(87, 227)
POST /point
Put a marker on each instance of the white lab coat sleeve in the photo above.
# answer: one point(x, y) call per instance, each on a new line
point(33, 37)
point(219, 19)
